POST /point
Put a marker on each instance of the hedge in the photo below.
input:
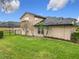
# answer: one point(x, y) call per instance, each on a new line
point(1, 34)
point(75, 36)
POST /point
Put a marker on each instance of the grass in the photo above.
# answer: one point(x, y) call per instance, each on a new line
point(20, 47)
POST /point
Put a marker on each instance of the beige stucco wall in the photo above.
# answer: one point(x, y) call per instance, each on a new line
point(36, 32)
point(62, 32)
point(17, 30)
point(33, 20)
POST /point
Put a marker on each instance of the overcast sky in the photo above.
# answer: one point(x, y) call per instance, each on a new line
point(57, 8)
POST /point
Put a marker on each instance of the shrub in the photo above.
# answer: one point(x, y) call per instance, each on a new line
point(1, 34)
point(75, 36)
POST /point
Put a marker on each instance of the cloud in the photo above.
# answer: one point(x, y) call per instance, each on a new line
point(9, 6)
point(78, 19)
point(57, 4)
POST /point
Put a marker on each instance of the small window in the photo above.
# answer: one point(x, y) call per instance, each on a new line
point(40, 31)
point(36, 19)
point(27, 18)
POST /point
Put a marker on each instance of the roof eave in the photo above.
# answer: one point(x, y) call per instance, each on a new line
point(32, 14)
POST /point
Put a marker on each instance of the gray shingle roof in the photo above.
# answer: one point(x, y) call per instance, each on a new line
point(54, 20)
point(51, 21)
point(59, 21)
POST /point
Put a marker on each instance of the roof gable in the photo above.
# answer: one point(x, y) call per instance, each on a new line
point(33, 15)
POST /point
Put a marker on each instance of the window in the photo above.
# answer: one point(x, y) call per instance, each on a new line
point(36, 19)
point(27, 18)
point(73, 22)
point(40, 31)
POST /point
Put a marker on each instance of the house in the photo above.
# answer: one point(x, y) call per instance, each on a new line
point(57, 27)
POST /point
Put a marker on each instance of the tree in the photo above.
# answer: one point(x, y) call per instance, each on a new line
point(27, 25)
point(43, 26)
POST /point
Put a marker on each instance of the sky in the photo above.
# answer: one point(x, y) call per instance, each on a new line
point(54, 8)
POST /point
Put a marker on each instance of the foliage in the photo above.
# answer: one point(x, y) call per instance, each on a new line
point(77, 29)
point(26, 26)
point(1, 34)
point(75, 36)
point(41, 23)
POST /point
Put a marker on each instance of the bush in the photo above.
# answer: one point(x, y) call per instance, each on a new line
point(1, 34)
point(75, 36)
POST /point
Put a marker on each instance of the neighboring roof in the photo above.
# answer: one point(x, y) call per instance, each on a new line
point(51, 21)
point(10, 24)
point(33, 14)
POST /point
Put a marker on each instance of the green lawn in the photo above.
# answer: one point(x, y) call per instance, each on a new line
point(19, 47)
